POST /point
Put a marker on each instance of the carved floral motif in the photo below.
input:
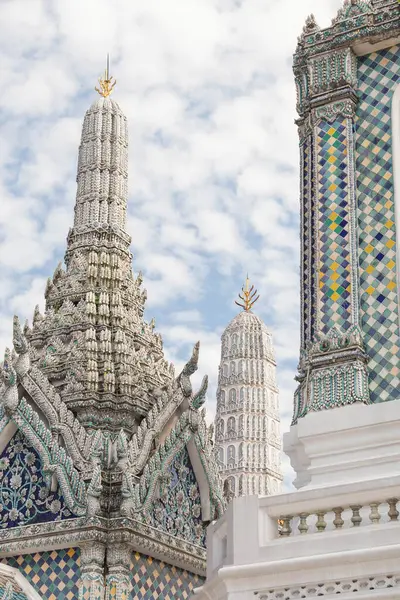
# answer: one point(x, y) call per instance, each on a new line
point(25, 496)
point(178, 508)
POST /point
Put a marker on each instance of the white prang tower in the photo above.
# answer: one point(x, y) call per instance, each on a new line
point(247, 427)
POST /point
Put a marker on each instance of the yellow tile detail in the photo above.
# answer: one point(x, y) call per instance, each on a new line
point(390, 244)
point(389, 224)
point(369, 248)
point(334, 266)
point(369, 269)
point(335, 296)
point(331, 159)
point(391, 264)
point(334, 286)
point(331, 131)
point(391, 285)
point(370, 290)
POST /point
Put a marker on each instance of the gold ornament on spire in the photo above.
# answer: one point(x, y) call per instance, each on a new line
point(107, 82)
point(248, 296)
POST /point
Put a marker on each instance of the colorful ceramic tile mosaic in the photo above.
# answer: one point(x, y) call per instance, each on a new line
point(152, 579)
point(54, 575)
point(24, 497)
point(378, 73)
point(334, 243)
point(178, 510)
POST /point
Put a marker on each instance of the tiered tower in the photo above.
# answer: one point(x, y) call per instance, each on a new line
point(104, 453)
point(248, 443)
point(92, 342)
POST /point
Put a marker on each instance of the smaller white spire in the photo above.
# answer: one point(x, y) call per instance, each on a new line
point(247, 426)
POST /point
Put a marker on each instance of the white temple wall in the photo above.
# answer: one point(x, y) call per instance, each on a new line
point(360, 554)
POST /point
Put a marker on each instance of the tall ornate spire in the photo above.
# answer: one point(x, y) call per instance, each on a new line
point(92, 342)
point(247, 428)
point(88, 391)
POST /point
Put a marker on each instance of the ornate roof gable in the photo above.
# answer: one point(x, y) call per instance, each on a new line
point(64, 446)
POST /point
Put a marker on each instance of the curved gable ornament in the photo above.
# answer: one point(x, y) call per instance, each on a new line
point(396, 179)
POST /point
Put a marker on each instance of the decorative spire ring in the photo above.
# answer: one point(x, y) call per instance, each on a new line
point(107, 82)
point(248, 296)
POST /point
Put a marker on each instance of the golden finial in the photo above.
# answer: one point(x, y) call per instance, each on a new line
point(248, 296)
point(106, 83)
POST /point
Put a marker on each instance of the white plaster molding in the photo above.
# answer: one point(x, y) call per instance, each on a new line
point(15, 576)
point(253, 580)
point(396, 177)
point(6, 434)
point(201, 478)
point(350, 443)
point(366, 47)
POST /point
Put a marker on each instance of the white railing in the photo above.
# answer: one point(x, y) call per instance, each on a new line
point(340, 517)
point(347, 506)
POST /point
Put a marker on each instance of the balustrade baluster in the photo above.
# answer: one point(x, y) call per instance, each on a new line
point(356, 518)
point(338, 521)
point(303, 525)
point(285, 523)
point(374, 515)
point(321, 523)
point(393, 512)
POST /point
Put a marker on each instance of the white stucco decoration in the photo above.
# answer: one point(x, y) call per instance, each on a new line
point(18, 582)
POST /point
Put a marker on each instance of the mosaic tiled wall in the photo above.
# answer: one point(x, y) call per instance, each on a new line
point(54, 575)
point(334, 227)
point(152, 579)
point(378, 74)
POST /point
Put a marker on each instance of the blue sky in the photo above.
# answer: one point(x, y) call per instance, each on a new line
point(208, 90)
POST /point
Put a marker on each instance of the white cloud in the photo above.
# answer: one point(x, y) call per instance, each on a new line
point(209, 94)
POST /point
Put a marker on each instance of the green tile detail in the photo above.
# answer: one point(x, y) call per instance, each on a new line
point(378, 74)
point(54, 575)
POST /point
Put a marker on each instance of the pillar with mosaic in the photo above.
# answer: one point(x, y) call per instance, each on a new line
point(346, 77)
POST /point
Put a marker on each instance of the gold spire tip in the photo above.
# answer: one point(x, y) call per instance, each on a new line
point(248, 296)
point(107, 82)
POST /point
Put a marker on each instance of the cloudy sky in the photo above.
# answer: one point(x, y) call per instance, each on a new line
point(208, 91)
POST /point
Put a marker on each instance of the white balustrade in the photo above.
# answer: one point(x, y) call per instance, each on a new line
point(341, 517)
